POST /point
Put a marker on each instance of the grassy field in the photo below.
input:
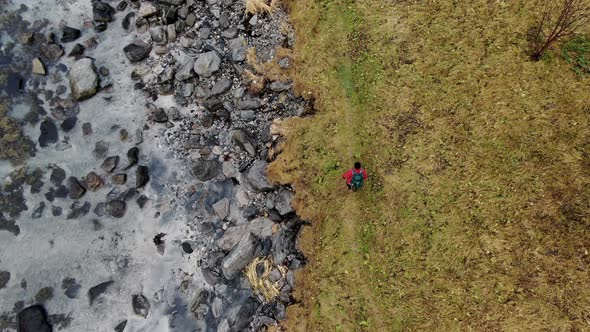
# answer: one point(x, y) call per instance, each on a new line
point(476, 215)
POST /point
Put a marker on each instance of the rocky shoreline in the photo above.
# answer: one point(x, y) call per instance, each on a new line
point(192, 159)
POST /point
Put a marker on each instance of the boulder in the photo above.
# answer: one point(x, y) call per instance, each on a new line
point(261, 227)
point(244, 141)
point(102, 12)
point(239, 257)
point(142, 176)
point(137, 50)
point(33, 319)
point(186, 71)
point(221, 208)
point(83, 79)
point(231, 237)
point(238, 48)
point(75, 188)
point(116, 208)
point(221, 86)
point(257, 177)
point(70, 34)
point(283, 201)
point(283, 244)
point(239, 319)
point(96, 291)
point(38, 67)
point(207, 63)
point(205, 170)
point(141, 305)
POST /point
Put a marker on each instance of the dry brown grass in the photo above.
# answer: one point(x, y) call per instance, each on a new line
point(261, 284)
point(476, 215)
point(270, 69)
point(261, 6)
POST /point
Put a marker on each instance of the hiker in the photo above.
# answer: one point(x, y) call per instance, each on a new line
point(355, 177)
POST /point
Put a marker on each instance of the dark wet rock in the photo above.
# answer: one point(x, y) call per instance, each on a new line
point(35, 180)
point(250, 212)
point(87, 129)
point(137, 50)
point(257, 177)
point(207, 64)
point(121, 326)
point(77, 210)
point(100, 149)
point(61, 192)
point(160, 116)
point(56, 211)
point(141, 201)
point(119, 179)
point(239, 320)
point(102, 12)
point(173, 2)
point(121, 6)
point(274, 215)
point(175, 113)
point(33, 319)
point(126, 23)
point(283, 243)
point(129, 194)
point(93, 182)
point(69, 123)
point(52, 52)
point(132, 157)
point(186, 247)
point(75, 188)
point(4, 278)
point(48, 133)
point(83, 79)
point(38, 212)
point(96, 291)
point(109, 164)
point(244, 141)
point(44, 294)
point(141, 305)
point(239, 256)
point(70, 34)
point(206, 170)
point(213, 104)
point(116, 208)
point(71, 287)
point(221, 86)
point(141, 176)
point(211, 277)
point(77, 50)
point(160, 243)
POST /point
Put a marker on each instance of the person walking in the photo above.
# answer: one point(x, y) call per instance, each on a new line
point(355, 177)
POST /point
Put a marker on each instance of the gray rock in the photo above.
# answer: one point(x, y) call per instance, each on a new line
point(137, 50)
point(83, 79)
point(186, 71)
point(239, 319)
point(248, 104)
point(58, 175)
point(71, 287)
point(283, 201)
point(283, 243)
point(239, 257)
point(141, 305)
point(52, 51)
point(187, 89)
point(207, 63)
point(238, 48)
point(96, 291)
point(190, 20)
point(285, 63)
point(173, 2)
point(160, 116)
point(33, 319)
point(278, 86)
point(206, 170)
point(141, 176)
point(121, 326)
point(102, 12)
point(116, 208)
point(4, 278)
point(132, 157)
point(158, 35)
point(230, 33)
point(183, 12)
point(171, 32)
point(231, 237)
point(213, 104)
point(75, 188)
point(100, 149)
point(244, 141)
point(261, 227)
point(257, 177)
point(109, 164)
point(221, 208)
point(221, 86)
